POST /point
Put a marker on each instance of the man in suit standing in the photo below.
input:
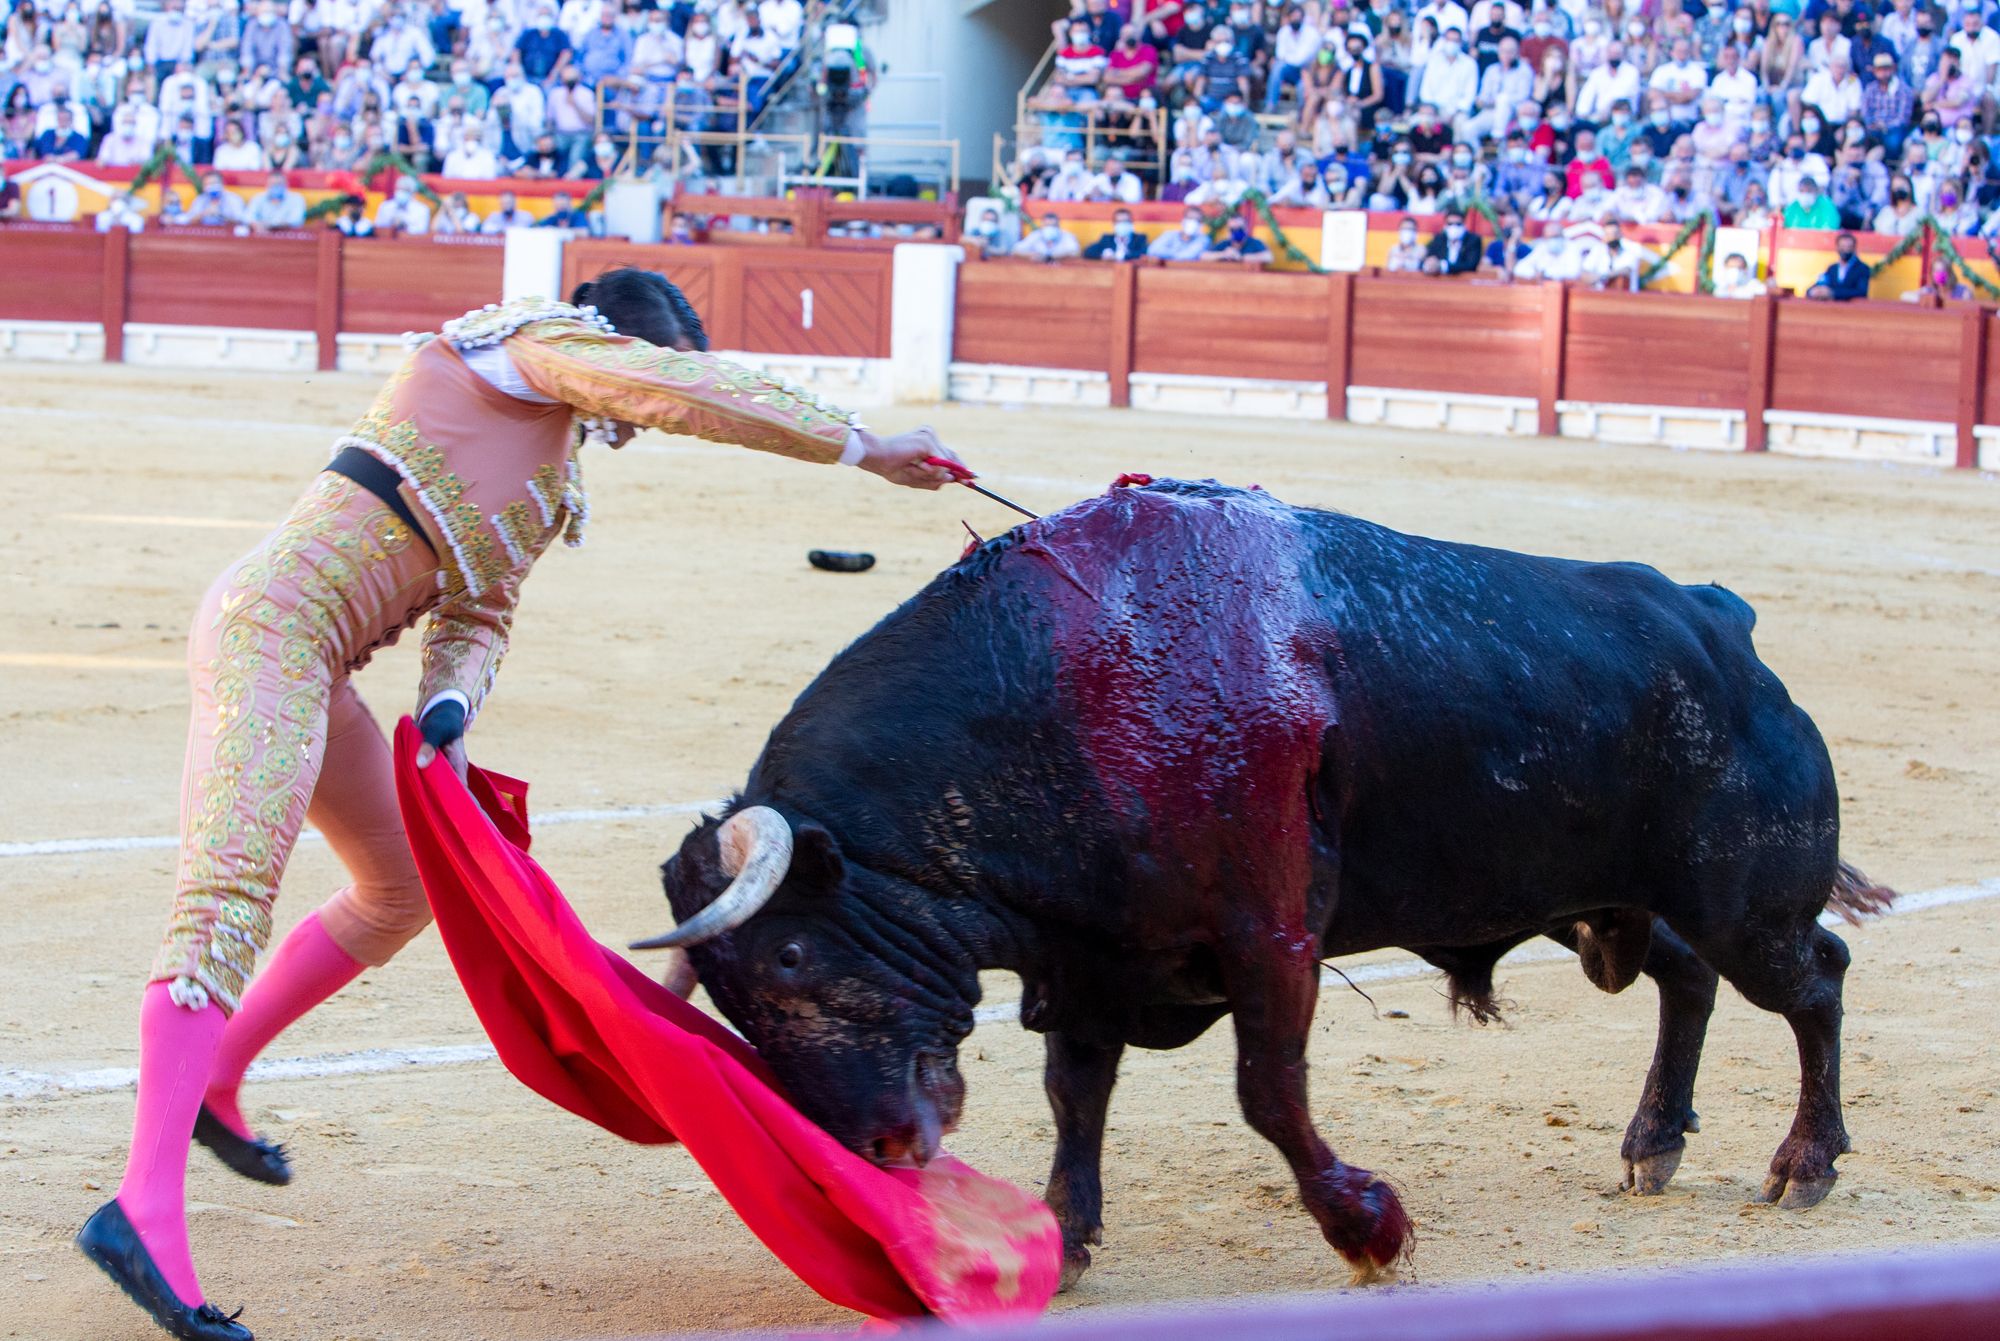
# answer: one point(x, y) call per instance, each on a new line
point(1122, 243)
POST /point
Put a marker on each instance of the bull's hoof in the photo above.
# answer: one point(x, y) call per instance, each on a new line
point(1796, 1194)
point(1648, 1177)
point(1076, 1261)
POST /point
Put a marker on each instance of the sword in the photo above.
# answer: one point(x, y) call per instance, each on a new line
point(963, 475)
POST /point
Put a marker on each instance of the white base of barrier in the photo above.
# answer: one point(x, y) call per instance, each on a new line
point(1664, 425)
point(1909, 441)
point(52, 341)
point(1988, 438)
point(148, 345)
point(849, 382)
point(1441, 411)
point(368, 353)
point(1004, 384)
point(1189, 394)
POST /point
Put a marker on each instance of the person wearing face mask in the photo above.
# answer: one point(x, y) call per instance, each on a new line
point(1222, 73)
point(1887, 104)
point(1449, 79)
point(1395, 184)
point(1505, 83)
point(1406, 254)
point(1638, 200)
point(1071, 181)
point(1551, 258)
point(1548, 30)
point(1613, 82)
point(544, 48)
point(1132, 70)
point(1114, 184)
point(1735, 279)
point(403, 213)
point(1295, 50)
point(1587, 164)
point(1123, 243)
point(169, 38)
point(1050, 241)
point(1831, 96)
point(1918, 58)
point(1951, 95)
point(1306, 189)
point(1519, 169)
point(1237, 243)
point(268, 39)
point(1808, 206)
point(1185, 243)
point(1846, 279)
point(1681, 80)
point(1858, 187)
point(1732, 183)
point(1101, 23)
point(1453, 250)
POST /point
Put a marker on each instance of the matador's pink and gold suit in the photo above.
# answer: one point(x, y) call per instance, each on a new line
point(482, 426)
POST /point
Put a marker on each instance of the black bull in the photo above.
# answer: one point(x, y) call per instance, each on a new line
point(1162, 753)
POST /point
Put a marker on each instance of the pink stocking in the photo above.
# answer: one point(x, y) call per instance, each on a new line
point(176, 1049)
point(306, 970)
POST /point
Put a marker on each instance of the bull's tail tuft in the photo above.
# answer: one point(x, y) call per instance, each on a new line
point(1855, 896)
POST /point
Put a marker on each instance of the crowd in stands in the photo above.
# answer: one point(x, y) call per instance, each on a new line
point(1585, 116)
point(472, 89)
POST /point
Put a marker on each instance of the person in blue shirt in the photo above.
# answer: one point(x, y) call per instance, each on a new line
point(1237, 243)
point(1846, 279)
point(563, 214)
point(544, 47)
point(62, 142)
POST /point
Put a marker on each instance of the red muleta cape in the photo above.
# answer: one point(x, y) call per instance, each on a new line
point(582, 1027)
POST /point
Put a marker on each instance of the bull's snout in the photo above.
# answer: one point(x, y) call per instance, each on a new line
point(935, 1097)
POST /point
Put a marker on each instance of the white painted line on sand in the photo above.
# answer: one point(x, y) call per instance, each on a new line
point(65, 847)
point(17, 1085)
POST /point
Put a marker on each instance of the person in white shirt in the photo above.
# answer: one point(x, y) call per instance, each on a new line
point(1831, 43)
point(184, 91)
point(1050, 242)
point(125, 211)
point(403, 42)
point(1616, 263)
point(1614, 81)
point(1507, 83)
point(455, 216)
point(1835, 91)
point(276, 206)
point(1114, 183)
point(1220, 189)
point(1735, 279)
point(1551, 258)
point(124, 147)
point(1295, 47)
point(506, 217)
point(1513, 15)
point(471, 160)
point(1638, 200)
point(1446, 14)
point(1737, 87)
point(403, 212)
point(238, 152)
point(578, 17)
point(527, 109)
point(657, 47)
point(783, 19)
point(1977, 45)
point(1450, 78)
point(1072, 181)
point(1682, 79)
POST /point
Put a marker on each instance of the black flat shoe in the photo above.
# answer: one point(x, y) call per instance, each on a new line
point(109, 1240)
point(262, 1160)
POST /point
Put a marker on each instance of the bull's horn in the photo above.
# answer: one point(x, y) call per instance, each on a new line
point(756, 846)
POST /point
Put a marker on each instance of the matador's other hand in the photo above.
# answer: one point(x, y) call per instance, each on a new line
point(900, 459)
point(443, 729)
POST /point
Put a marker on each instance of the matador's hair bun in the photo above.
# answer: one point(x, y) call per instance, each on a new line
point(644, 305)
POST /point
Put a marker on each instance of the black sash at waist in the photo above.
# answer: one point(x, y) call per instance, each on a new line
point(379, 478)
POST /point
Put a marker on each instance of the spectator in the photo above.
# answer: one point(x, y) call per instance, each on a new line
point(10, 196)
point(455, 216)
point(1122, 243)
point(605, 50)
point(1115, 184)
point(1858, 188)
point(1071, 181)
point(1222, 187)
point(509, 215)
point(169, 38)
point(1132, 71)
point(1887, 104)
point(984, 232)
point(1613, 82)
point(277, 206)
point(238, 152)
point(1236, 125)
point(125, 211)
point(1505, 84)
point(1756, 211)
point(63, 142)
point(1050, 242)
point(351, 221)
point(213, 206)
point(1449, 78)
point(1508, 246)
point(1187, 243)
point(1735, 178)
point(1406, 254)
point(1101, 25)
point(1834, 92)
point(785, 19)
point(403, 214)
point(543, 162)
point(1551, 258)
point(1951, 94)
point(1296, 49)
point(1518, 171)
point(1618, 264)
point(1588, 165)
point(1306, 189)
point(1900, 217)
point(1079, 72)
point(573, 117)
point(563, 213)
point(1638, 200)
point(1453, 251)
point(545, 48)
point(1736, 279)
point(1846, 279)
point(1810, 209)
point(268, 40)
point(1237, 243)
point(470, 159)
point(1222, 73)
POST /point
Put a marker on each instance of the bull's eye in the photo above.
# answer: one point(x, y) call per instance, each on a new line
point(791, 955)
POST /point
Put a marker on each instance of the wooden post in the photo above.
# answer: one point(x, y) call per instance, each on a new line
point(117, 267)
point(1124, 319)
point(1763, 315)
point(1339, 342)
point(1971, 383)
point(326, 300)
point(725, 315)
point(1555, 323)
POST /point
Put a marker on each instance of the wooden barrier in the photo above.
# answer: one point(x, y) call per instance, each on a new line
point(51, 272)
point(760, 299)
point(209, 277)
point(1543, 342)
point(389, 286)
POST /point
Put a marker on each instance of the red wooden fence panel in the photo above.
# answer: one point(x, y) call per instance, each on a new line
point(210, 277)
point(1425, 334)
point(1880, 360)
point(51, 272)
point(1222, 321)
point(389, 286)
point(1031, 315)
point(1657, 349)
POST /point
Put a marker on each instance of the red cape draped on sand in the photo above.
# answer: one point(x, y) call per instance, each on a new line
point(582, 1027)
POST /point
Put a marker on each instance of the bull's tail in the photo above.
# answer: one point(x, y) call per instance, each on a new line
point(1854, 896)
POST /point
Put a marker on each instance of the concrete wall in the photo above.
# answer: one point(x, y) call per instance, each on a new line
point(982, 53)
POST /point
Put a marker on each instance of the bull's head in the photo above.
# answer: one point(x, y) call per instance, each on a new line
point(846, 980)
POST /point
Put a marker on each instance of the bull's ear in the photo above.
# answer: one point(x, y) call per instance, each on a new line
point(817, 866)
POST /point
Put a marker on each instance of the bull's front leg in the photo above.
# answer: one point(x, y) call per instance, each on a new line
point(1079, 1075)
point(1272, 996)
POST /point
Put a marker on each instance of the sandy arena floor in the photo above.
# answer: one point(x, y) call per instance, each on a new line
point(447, 1201)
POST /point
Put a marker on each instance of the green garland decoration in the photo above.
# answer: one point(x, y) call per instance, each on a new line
point(164, 154)
point(389, 158)
point(1941, 237)
point(1704, 270)
point(1219, 217)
